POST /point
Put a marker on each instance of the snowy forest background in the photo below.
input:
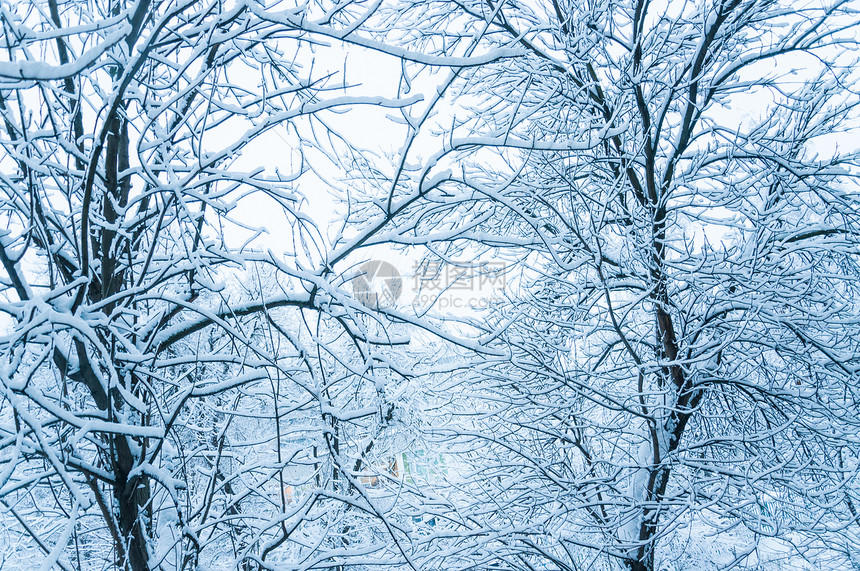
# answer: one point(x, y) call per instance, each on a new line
point(617, 326)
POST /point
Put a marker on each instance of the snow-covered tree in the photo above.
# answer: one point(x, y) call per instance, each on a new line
point(182, 387)
point(674, 187)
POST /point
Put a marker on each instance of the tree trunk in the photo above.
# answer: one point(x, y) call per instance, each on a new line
point(646, 564)
point(130, 494)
